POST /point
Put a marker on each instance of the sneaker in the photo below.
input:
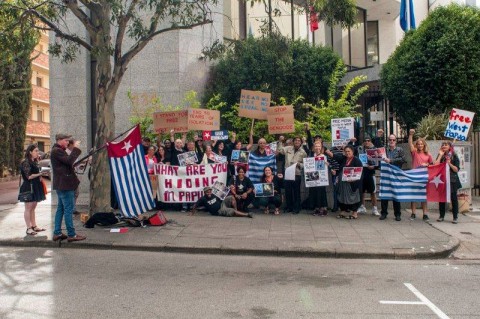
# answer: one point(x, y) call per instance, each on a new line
point(375, 211)
point(426, 218)
point(361, 210)
point(412, 217)
point(76, 238)
point(455, 221)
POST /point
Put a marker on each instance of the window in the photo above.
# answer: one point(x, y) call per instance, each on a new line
point(41, 146)
point(39, 115)
point(39, 81)
point(372, 43)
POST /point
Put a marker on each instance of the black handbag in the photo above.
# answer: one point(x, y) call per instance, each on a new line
point(26, 195)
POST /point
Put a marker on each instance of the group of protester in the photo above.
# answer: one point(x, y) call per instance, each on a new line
point(348, 196)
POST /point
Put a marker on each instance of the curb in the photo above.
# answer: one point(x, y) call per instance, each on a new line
point(346, 253)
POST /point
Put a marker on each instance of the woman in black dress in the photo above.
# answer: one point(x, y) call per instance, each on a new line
point(31, 183)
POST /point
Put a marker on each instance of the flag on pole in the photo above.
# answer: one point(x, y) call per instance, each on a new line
point(407, 15)
point(438, 186)
point(129, 174)
point(256, 164)
point(403, 186)
point(313, 19)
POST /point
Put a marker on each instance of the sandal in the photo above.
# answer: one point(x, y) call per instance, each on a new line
point(341, 216)
point(277, 211)
point(37, 229)
point(267, 211)
point(352, 217)
point(30, 231)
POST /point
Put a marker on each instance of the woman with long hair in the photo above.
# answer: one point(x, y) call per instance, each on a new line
point(150, 159)
point(161, 155)
point(31, 177)
point(276, 199)
point(420, 158)
point(447, 154)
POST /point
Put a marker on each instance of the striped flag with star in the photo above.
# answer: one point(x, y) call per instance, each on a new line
point(129, 174)
point(403, 186)
point(438, 186)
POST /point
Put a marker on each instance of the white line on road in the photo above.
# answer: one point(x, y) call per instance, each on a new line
point(424, 301)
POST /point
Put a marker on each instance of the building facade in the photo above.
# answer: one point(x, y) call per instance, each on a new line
point(38, 123)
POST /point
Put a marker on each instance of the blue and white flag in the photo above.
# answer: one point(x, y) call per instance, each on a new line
point(129, 174)
point(407, 15)
point(256, 164)
point(403, 186)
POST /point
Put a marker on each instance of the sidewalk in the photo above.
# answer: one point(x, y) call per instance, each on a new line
point(300, 235)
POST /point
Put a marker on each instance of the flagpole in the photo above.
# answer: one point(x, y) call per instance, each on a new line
point(100, 148)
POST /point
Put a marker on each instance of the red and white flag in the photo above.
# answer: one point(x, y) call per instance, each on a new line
point(438, 185)
point(129, 174)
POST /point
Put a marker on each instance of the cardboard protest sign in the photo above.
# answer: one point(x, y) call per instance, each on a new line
point(459, 123)
point(215, 135)
point(187, 158)
point(202, 119)
point(342, 130)
point(163, 122)
point(184, 184)
point(254, 104)
point(351, 174)
point(220, 190)
point(315, 170)
point(263, 190)
point(281, 119)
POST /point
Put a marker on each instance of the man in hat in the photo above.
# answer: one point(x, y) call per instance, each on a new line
point(65, 182)
point(216, 207)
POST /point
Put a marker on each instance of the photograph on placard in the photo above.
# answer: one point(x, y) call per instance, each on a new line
point(263, 190)
point(220, 190)
point(187, 158)
point(351, 174)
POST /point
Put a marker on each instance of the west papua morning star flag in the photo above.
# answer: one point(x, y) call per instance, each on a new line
point(129, 174)
point(256, 164)
point(438, 186)
point(403, 186)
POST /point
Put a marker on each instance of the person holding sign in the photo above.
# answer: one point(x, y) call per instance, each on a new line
point(348, 192)
point(241, 187)
point(420, 158)
point(394, 156)
point(276, 199)
point(294, 155)
point(446, 154)
point(176, 148)
point(237, 145)
point(318, 195)
point(368, 179)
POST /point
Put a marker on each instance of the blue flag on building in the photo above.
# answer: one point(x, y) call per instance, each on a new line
point(256, 164)
point(129, 174)
point(407, 15)
point(403, 186)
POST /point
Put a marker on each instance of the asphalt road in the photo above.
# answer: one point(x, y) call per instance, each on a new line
point(76, 283)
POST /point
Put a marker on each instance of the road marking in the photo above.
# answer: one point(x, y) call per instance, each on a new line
point(424, 301)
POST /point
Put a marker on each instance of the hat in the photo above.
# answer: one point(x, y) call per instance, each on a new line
point(61, 136)
point(208, 188)
point(367, 137)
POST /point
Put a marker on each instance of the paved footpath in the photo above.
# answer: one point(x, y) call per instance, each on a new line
point(300, 235)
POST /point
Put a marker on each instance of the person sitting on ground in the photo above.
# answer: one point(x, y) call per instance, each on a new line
point(276, 199)
point(241, 187)
point(420, 158)
point(216, 207)
point(368, 180)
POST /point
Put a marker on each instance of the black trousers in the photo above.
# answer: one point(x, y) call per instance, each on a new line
point(396, 207)
point(442, 206)
point(292, 194)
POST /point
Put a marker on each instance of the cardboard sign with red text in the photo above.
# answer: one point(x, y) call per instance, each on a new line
point(163, 122)
point(281, 119)
point(459, 123)
point(185, 184)
point(254, 104)
point(203, 120)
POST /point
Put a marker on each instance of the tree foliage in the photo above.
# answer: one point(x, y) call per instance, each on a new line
point(283, 67)
point(116, 31)
point(16, 46)
point(436, 67)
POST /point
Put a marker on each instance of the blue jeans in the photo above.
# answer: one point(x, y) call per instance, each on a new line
point(66, 201)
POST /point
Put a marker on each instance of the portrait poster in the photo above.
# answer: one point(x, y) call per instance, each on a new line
point(240, 156)
point(220, 190)
point(263, 190)
point(315, 171)
point(187, 158)
point(351, 174)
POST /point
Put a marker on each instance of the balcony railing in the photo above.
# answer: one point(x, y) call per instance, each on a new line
point(39, 93)
point(38, 128)
point(41, 59)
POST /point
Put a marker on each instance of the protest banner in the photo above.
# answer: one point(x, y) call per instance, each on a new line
point(254, 104)
point(215, 135)
point(187, 158)
point(163, 122)
point(240, 156)
point(184, 184)
point(315, 171)
point(459, 123)
point(280, 119)
point(263, 190)
point(202, 119)
point(351, 174)
point(342, 131)
point(220, 190)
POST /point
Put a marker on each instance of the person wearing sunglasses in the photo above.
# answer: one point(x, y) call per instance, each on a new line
point(394, 156)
